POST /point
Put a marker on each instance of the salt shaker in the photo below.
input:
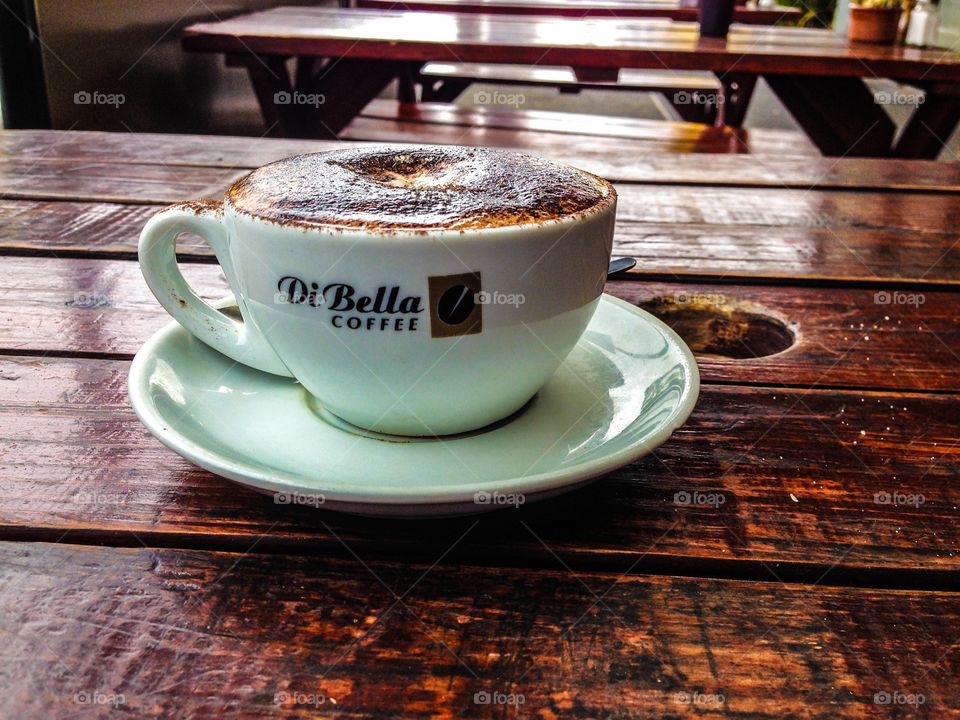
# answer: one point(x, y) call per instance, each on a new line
point(924, 24)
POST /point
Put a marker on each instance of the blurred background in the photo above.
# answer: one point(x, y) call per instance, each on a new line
point(52, 52)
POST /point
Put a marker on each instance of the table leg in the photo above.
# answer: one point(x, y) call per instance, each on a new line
point(838, 113)
point(407, 83)
point(692, 112)
point(325, 97)
point(931, 125)
point(305, 69)
point(446, 90)
point(269, 77)
point(737, 91)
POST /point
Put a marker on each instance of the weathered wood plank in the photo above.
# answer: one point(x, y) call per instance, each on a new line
point(797, 481)
point(56, 227)
point(155, 148)
point(841, 338)
point(770, 233)
point(111, 182)
point(860, 337)
point(155, 633)
point(614, 164)
point(789, 254)
point(933, 214)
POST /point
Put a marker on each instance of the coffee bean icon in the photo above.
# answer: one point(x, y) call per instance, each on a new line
point(455, 305)
point(454, 309)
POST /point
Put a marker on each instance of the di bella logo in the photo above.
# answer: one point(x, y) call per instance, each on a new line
point(453, 307)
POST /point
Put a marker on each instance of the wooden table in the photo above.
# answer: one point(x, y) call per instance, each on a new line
point(447, 81)
point(132, 579)
point(670, 9)
point(347, 56)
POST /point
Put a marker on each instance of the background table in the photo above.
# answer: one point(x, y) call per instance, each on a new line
point(126, 571)
point(671, 9)
point(446, 81)
point(348, 56)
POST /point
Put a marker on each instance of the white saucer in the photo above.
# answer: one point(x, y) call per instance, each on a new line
point(628, 384)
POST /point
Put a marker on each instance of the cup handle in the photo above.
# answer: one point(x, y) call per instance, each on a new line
point(238, 340)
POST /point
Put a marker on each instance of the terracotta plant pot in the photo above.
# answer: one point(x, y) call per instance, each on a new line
point(874, 25)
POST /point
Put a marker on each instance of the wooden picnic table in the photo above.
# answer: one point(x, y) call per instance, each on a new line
point(447, 81)
point(670, 9)
point(345, 57)
point(820, 297)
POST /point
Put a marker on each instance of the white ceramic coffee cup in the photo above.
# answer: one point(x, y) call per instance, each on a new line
point(425, 332)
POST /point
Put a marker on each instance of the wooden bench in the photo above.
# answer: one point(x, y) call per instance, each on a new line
point(692, 94)
point(546, 131)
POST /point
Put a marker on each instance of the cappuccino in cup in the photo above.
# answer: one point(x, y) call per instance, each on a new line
point(411, 291)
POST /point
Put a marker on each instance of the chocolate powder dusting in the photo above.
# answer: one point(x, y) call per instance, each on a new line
point(201, 207)
point(422, 188)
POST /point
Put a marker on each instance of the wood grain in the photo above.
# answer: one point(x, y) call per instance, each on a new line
point(545, 131)
point(155, 148)
point(682, 231)
point(832, 522)
point(790, 255)
point(199, 634)
point(53, 178)
point(668, 168)
point(843, 338)
point(587, 43)
point(60, 228)
point(801, 475)
point(646, 9)
point(903, 213)
point(679, 232)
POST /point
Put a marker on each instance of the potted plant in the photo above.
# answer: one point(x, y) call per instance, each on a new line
point(875, 21)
